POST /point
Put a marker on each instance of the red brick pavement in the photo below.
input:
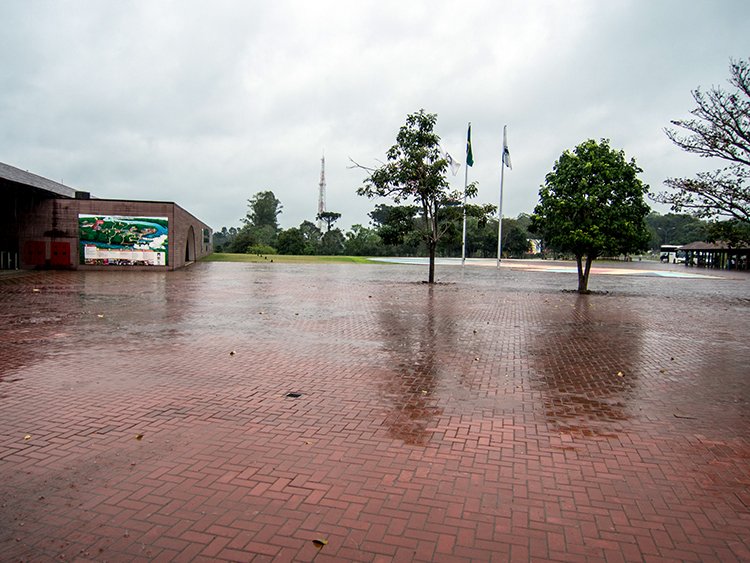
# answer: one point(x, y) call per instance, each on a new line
point(491, 417)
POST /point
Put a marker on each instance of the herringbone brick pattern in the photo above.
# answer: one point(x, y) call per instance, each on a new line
point(490, 417)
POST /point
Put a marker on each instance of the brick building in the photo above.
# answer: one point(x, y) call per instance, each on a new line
point(45, 224)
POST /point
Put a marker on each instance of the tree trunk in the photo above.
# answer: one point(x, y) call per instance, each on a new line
point(432, 243)
point(431, 277)
point(583, 273)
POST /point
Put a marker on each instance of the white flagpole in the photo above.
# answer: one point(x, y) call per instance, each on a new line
point(463, 244)
point(500, 207)
point(500, 216)
point(466, 183)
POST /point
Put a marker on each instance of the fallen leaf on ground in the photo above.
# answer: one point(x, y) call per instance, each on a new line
point(320, 542)
point(27, 437)
point(139, 436)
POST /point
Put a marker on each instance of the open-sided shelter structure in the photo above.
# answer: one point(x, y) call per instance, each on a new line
point(716, 255)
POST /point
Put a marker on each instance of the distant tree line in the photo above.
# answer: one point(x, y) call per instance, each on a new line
point(394, 230)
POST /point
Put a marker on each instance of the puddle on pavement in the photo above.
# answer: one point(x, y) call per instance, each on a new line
point(584, 368)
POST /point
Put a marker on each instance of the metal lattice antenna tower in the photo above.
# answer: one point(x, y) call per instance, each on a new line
point(322, 192)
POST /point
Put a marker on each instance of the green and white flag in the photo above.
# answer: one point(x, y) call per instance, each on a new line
point(506, 152)
point(453, 164)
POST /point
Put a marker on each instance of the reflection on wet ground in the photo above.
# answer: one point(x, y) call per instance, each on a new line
point(582, 358)
point(412, 335)
point(492, 412)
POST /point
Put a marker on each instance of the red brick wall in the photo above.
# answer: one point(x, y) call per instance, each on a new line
point(56, 221)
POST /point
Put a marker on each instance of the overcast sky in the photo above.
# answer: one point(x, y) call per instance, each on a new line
point(207, 103)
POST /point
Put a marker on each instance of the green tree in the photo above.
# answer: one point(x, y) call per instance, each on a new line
point(265, 235)
point(675, 228)
point(291, 241)
point(415, 171)
point(481, 237)
point(734, 233)
point(393, 223)
point(361, 241)
point(312, 235)
point(329, 218)
point(720, 129)
point(261, 222)
point(224, 238)
point(263, 211)
point(244, 238)
point(476, 218)
point(515, 238)
point(592, 204)
point(332, 243)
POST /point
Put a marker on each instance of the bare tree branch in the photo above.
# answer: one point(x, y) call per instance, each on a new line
point(721, 129)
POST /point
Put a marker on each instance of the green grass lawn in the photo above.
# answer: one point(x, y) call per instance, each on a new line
point(282, 258)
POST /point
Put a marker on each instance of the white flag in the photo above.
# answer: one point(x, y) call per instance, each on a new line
point(506, 152)
point(454, 165)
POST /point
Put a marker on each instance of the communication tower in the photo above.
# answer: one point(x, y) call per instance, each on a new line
point(322, 191)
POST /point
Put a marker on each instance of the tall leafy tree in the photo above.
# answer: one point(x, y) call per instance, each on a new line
point(592, 204)
point(261, 222)
point(263, 210)
point(719, 128)
point(311, 235)
point(415, 172)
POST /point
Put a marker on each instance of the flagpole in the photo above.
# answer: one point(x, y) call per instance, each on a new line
point(469, 162)
point(500, 207)
point(500, 215)
point(463, 243)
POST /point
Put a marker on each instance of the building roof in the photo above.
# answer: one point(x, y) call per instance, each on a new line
point(699, 245)
point(13, 174)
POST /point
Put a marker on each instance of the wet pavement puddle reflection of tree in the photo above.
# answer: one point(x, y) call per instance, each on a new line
point(583, 368)
point(412, 334)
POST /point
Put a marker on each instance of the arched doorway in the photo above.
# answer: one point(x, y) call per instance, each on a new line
point(190, 245)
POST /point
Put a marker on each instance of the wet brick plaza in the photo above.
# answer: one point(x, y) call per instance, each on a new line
point(494, 416)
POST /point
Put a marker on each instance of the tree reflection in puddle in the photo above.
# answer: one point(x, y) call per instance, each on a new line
point(583, 365)
point(413, 335)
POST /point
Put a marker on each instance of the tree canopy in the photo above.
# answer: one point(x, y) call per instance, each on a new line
point(675, 229)
point(720, 128)
point(592, 203)
point(329, 218)
point(415, 172)
point(263, 210)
